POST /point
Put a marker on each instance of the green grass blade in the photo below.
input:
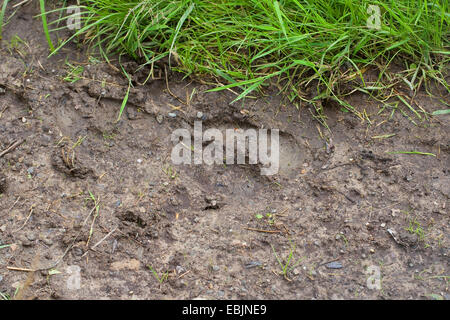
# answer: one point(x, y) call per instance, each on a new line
point(2, 16)
point(124, 102)
point(45, 26)
point(180, 23)
point(413, 152)
point(441, 112)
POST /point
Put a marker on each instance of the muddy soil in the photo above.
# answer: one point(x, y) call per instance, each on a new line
point(341, 206)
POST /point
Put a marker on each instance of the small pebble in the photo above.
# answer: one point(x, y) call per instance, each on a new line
point(131, 114)
point(172, 115)
point(47, 241)
point(334, 265)
point(199, 115)
point(215, 268)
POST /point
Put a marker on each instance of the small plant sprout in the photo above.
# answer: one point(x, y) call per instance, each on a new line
point(164, 276)
point(287, 264)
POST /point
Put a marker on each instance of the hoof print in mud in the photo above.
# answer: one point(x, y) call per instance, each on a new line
point(250, 157)
point(68, 161)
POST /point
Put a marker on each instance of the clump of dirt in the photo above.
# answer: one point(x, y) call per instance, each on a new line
point(3, 184)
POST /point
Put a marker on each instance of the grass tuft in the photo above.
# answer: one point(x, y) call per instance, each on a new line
point(310, 50)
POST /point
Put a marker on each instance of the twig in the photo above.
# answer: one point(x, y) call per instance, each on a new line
point(130, 238)
point(286, 229)
point(104, 238)
point(20, 269)
point(170, 92)
point(4, 109)
point(182, 275)
point(260, 230)
point(20, 3)
point(14, 204)
point(28, 218)
point(281, 214)
point(97, 210)
point(12, 147)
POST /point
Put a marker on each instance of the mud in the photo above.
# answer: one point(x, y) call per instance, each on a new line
point(97, 208)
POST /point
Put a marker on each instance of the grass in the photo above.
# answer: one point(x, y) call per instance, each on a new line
point(413, 152)
point(4, 296)
point(97, 213)
point(124, 102)
point(308, 49)
point(2, 16)
point(45, 25)
point(416, 228)
point(74, 73)
point(164, 276)
point(384, 136)
point(441, 112)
